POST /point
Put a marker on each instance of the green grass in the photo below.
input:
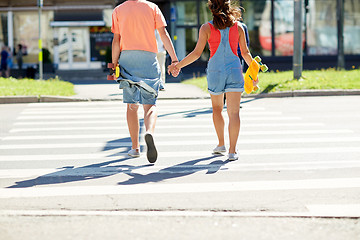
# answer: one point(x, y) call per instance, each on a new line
point(311, 80)
point(31, 87)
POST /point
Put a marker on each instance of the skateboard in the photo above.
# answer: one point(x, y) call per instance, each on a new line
point(114, 71)
point(252, 73)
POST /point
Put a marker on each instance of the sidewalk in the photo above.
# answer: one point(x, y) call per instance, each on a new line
point(111, 92)
point(96, 92)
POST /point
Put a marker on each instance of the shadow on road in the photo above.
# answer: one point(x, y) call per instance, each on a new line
point(72, 174)
point(176, 171)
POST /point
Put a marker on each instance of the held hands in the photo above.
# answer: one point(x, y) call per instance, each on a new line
point(173, 70)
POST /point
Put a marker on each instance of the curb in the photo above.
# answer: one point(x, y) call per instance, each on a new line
point(19, 99)
point(305, 93)
point(298, 93)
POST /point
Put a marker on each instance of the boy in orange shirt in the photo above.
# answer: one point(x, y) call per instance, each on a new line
point(134, 48)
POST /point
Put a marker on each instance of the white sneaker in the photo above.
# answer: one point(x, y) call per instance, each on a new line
point(219, 149)
point(233, 156)
point(134, 153)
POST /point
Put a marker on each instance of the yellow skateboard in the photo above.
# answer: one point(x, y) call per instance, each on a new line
point(114, 71)
point(252, 73)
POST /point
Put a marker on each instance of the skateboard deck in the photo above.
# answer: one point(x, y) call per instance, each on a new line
point(252, 74)
point(114, 71)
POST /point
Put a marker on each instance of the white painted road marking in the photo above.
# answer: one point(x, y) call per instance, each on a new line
point(181, 143)
point(115, 115)
point(107, 170)
point(179, 134)
point(124, 127)
point(113, 154)
point(348, 210)
point(157, 188)
point(159, 120)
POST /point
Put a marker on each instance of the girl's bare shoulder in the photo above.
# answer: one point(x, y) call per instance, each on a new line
point(205, 27)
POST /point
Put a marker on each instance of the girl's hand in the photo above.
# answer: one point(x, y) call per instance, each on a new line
point(255, 82)
point(173, 69)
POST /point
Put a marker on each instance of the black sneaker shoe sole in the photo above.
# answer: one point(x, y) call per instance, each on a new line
point(151, 149)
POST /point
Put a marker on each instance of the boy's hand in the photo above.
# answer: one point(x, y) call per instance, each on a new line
point(173, 70)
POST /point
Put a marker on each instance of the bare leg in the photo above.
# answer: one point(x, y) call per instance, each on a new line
point(233, 110)
point(150, 117)
point(218, 119)
point(133, 124)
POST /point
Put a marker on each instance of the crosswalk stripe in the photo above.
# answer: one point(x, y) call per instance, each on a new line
point(186, 126)
point(118, 110)
point(158, 188)
point(110, 111)
point(181, 143)
point(160, 102)
point(116, 103)
point(159, 120)
point(175, 154)
point(109, 170)
point(107, 116)
point(178, 134)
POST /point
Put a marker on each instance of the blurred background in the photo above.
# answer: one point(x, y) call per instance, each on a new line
point(76, 34)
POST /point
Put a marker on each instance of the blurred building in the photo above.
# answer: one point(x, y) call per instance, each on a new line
point(77, 33)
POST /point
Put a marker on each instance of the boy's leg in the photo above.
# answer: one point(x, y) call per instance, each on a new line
point(233, 110)
point(218, 119)
point(133, 124)
point(150, 117)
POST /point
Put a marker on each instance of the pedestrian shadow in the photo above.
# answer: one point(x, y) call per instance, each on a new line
point(176, 171)
point(73, 174)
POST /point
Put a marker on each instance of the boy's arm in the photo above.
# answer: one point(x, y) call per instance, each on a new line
point(165, 38)
point(115, 50)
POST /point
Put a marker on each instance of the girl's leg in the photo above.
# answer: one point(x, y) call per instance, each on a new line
point(218, 119)
point(233, 110)
point(150, 117)
point(133, 124)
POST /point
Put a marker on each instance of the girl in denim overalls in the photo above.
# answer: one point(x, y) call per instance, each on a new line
point(224, 72)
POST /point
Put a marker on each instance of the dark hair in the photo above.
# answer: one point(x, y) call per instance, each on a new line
point(224, 14)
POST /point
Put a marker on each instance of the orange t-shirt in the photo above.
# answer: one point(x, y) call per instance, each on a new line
point(136, 22)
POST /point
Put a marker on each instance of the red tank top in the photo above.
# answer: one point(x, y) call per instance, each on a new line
point(215, 39)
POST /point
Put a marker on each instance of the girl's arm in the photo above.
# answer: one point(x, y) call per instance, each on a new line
point(204, 34)
point(165, 38)
point(115, 49)
point(245, 53)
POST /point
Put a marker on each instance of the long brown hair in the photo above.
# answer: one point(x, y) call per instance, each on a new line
point(224, 14)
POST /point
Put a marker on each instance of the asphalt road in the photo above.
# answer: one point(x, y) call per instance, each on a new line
point(64, 172)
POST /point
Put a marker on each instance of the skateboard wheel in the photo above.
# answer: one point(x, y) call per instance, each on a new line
point(258, 59)
point(256, 89)
point(264, 68)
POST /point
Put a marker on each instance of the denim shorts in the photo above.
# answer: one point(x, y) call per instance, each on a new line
point(139, 66)
point(225, 80)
